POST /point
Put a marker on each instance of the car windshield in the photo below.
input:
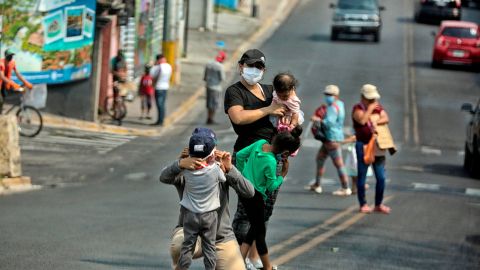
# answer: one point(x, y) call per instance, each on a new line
point(460, 32)
point(441, 3)
point(357, 4)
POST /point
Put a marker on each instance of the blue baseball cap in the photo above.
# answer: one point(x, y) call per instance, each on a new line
point(202, 142)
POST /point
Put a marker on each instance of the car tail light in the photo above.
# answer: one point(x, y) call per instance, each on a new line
point(441, 41)
point(478, 44)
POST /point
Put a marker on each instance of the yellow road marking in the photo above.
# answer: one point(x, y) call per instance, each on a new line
point(288, 256)
point(305, 233)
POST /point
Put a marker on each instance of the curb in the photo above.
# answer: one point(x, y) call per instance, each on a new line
point(283, 11)
point(16, 185)
point(62, 122)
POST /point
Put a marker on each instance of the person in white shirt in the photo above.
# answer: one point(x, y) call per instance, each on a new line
point(161, 74)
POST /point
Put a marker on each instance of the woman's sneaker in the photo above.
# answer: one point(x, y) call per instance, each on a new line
point(314, 187)
point(382, 209)
point(342, 192)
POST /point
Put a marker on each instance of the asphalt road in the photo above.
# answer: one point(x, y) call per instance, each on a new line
point(102, 207)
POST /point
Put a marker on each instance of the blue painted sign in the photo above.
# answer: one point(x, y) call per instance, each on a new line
point(52, 39)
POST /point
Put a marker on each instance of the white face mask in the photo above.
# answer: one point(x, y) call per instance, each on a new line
point(252, 75)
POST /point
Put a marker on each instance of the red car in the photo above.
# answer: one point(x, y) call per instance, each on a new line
point(457, 42)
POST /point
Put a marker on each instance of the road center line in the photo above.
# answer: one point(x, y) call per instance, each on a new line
point(311, 230)
point(406, 95)
point(411, 86)
point(293, 253)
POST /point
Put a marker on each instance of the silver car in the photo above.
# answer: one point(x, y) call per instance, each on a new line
point(361, 17)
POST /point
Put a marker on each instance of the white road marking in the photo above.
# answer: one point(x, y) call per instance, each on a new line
point(430, 151)
point(472, 192)
point(136, 176)
point(423, 186)
point(412, 168)
point(222, 131)
point(326, 182)
point(101, 142)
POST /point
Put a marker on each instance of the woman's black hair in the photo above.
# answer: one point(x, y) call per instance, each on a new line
point(287, 141)
point(284, 82)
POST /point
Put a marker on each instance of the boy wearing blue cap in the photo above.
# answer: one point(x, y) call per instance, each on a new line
point(200, 199)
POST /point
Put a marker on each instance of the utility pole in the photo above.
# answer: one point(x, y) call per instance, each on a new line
point(254, 9)
point(170, 42)
point(185, 34)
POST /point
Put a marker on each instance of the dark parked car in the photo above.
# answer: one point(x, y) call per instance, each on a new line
point(472, 144)
point(471, 3)
point(356, 17)
point(438, 10)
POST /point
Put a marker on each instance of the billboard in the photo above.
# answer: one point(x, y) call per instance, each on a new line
point(52, 39)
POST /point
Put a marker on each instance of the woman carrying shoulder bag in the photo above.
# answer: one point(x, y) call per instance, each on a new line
point(366, 116)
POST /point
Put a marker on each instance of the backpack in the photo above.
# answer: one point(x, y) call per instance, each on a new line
point(319, 129)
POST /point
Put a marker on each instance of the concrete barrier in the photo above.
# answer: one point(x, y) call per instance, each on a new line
point(10, 165)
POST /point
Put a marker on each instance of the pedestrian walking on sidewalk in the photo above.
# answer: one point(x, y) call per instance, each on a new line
point(366, 116)
point(333, 121)
point(200, 200)
point(227, 248)
point(258, 163)
point(248, 104)
point(146, 93)
point(214, 76)
point(161, 74)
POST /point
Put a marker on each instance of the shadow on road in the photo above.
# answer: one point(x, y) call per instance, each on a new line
point(343, 38)
point(140, 262)
point(446, 169)
point(473, 239)
point(319, 38)
point(428, 65)
point(408, 20)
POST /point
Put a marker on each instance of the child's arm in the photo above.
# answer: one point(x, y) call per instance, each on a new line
point(294, 121)
point(273, 181)
point(350, 139)
point(221, 175)
point(140, 85)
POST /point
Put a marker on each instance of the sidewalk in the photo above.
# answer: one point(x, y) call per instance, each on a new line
point(237, 29)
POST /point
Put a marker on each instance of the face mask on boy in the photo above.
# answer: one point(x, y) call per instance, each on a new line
point(252, 75)
point(329, 99)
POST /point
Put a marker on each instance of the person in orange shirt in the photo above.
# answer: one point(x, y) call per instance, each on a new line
point(7, 66)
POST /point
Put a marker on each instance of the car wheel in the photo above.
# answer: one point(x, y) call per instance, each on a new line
point(435, 64)
point(467, 160)
point(475, 163)
point(334, 35)
point(376, 36)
